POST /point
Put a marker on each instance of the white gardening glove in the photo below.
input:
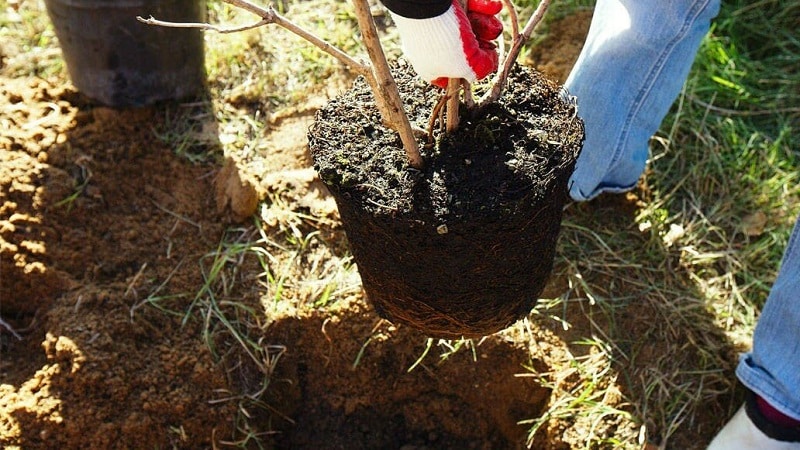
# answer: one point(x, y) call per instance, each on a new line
point(455, 44)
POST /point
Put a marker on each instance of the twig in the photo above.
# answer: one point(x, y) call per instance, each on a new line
point(513, 18)
point(453, 94)
point(516, 46)
point(201, 26)
point(378, 76)
point(384, 85)
point(135, 279)
point(269, 16)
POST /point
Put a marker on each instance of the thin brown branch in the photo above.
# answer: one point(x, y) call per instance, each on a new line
point(453, 94)
point(378, 76)
point(513, 18)
point(270, 16)
point(384, 86)
point(202, 26)
point(516, 46)
point(535, 20)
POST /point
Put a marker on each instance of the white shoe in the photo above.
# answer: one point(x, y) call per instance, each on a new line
point(740, 433)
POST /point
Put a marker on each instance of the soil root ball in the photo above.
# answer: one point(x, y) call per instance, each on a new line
point(465, 246)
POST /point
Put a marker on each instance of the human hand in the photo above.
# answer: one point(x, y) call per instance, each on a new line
point(455, 44)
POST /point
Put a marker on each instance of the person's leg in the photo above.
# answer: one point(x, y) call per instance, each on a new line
point(772, 368)
point(770, 419)
point(635, 60)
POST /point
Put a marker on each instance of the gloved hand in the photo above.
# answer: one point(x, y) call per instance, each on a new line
point(455, 44)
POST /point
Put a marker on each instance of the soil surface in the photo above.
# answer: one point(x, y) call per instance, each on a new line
point(107, 227)
point(97, 214)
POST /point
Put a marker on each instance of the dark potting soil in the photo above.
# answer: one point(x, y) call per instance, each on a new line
point(464, 246)
point(516, 145)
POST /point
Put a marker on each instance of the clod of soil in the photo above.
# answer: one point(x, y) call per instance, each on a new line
point(464, 246)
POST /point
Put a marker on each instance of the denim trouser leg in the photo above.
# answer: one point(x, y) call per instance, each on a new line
point(772, 368)
point(632, 67)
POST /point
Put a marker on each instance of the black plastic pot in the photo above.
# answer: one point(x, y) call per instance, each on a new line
point(117, 61)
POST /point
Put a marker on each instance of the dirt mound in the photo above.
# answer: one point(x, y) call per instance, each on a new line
point(99, 217)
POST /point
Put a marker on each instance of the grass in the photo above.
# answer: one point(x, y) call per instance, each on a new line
point(585, 402)
point(191, 131)
point(269, 67)
point(29, 46)
point(290, 268)
point(652, 303)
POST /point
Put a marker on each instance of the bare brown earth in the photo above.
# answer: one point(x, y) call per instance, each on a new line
point(103, 225)
point(92, 365)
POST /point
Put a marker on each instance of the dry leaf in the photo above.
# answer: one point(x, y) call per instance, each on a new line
point(754, 224)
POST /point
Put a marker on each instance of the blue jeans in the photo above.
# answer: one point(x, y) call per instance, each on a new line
point(772, 368)
point(633, 65)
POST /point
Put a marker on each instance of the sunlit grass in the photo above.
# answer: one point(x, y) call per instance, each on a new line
point(28, 43)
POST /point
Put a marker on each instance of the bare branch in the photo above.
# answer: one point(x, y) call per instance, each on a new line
point(453, 94)
point(384, 87)
point(535, 19)
point(202, 26)
point(516, 46)
point(513, 18)
point(270, 16)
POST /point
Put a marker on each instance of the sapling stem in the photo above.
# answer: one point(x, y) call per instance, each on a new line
point(516, 46)
point(378, 76)
point(453, 93)
point(385, 86)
